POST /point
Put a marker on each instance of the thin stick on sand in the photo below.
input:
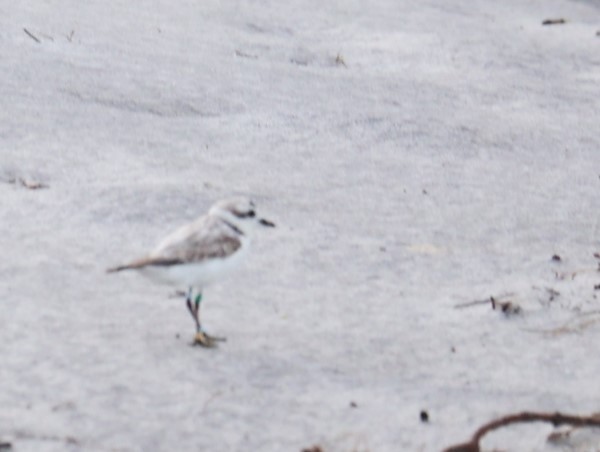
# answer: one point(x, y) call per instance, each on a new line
point(555, 419)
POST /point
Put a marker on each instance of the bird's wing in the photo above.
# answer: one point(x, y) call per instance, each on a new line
point(206, 238)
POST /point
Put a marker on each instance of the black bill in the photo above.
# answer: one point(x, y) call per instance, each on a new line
point(266, 223)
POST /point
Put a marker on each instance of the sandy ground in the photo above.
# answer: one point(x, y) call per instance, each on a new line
point(415, 155)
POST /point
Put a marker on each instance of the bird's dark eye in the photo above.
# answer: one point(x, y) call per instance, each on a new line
point(251, 214)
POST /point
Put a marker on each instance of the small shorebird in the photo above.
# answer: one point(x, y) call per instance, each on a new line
point(201, 252)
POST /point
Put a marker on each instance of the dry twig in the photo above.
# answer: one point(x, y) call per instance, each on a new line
point(469, 304)
point(555, 419)
point(507, 306)
point(245, 55)
point(572, 275)
point(32, 185)
point(31, 35)
point(574, 325)
point(554, 22)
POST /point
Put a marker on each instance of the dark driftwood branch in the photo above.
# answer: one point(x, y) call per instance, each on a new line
point(555, 419)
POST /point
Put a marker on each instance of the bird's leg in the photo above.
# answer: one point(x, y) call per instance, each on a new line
point(193, 309)
point(202, 338)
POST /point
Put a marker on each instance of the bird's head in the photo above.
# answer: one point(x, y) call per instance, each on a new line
point(241, 212)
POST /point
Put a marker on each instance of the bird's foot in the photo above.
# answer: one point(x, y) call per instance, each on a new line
point(205, 340)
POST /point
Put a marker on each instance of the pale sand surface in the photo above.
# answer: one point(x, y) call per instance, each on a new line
point(415, 155)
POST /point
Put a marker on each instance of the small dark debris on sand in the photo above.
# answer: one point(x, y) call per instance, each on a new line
point(424, 416)
point(556, 258)
point(313, 449)
point(554, 21)
point(507, 307)
point(29, 184)
point(241, 54)
point(552, 294)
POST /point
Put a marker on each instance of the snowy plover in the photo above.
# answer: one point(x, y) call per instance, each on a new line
point(199, 253)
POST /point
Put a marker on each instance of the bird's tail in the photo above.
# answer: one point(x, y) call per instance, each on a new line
point(118, 269)
point(145, 262)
